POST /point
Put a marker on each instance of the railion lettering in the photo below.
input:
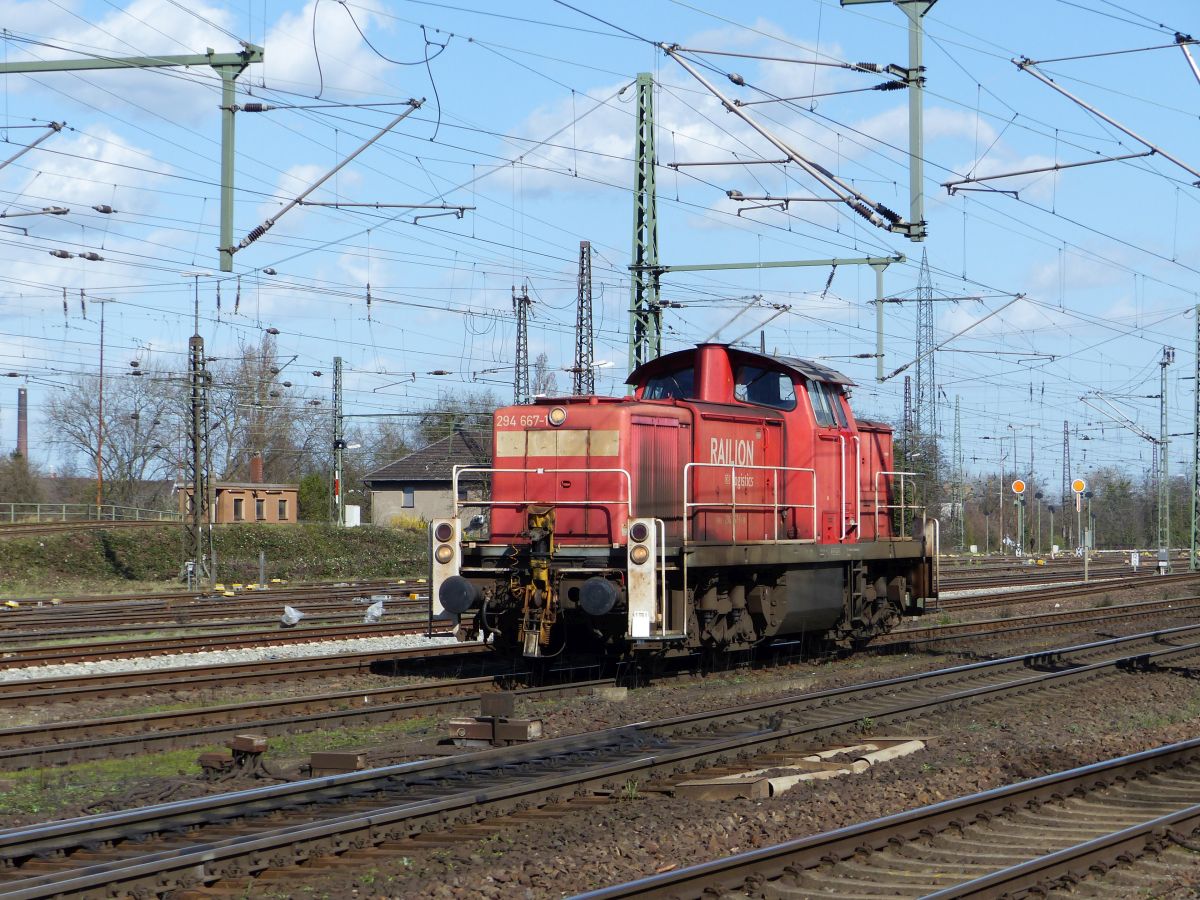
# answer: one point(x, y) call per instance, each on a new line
point(730, 452)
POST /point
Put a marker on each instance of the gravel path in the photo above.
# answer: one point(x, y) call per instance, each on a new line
point(215, 657)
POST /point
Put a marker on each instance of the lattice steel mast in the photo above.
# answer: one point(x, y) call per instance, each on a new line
point(521, 303)
point(926, 403)
point(583, 380)
point(958, 497)
point(645, 315)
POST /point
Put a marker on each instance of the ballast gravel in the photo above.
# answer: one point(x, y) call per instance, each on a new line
point(215, 657)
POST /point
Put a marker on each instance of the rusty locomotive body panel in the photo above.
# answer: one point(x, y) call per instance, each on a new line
point(732, 499)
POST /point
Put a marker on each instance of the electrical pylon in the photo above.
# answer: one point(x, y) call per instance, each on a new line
point(583, 379)
point(645, 315)
point(521, 303)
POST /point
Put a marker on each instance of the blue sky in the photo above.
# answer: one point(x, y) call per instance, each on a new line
point(528, 118)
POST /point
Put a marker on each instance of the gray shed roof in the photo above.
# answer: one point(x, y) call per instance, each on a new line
point(436, 461)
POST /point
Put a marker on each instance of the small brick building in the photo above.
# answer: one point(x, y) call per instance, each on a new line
point(247, 501)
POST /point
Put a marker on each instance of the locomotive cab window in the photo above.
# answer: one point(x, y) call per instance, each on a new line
point(820, 404)
point(835, 400)
point(672, 386)
point(764, 387)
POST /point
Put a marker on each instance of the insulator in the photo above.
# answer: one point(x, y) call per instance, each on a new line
point(91, 256)
point(272, 331)
point(62, 254)
point(888, 214)
point(867, 67)
point(237, 298)
point(438, 372)
point(104, 208)
point(862, 209)
point(737, 79)
point(891, 86)
point(254, 235)
point(254, 107)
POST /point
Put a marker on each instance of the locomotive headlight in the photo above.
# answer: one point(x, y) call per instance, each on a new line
point(638, 532)
point(443, 533)
point(639, 554)
point(556, 416)
point(444, 553)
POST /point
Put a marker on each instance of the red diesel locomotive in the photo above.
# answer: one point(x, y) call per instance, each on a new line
point(734, 498)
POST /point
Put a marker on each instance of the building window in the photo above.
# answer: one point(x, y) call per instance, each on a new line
point(260, 509)
point(239, 510)
point(409, 498)
point(463, 492)
point(282, 510)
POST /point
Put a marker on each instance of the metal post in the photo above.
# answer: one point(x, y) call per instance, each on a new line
point(1021, 524)
point(100, 421)
point(1194, 554)
point(228, 65)
point(914, 77)
point(879, 267)
point(1164, 455)
point(262, 568)
point(228, 96)
point(339, 445)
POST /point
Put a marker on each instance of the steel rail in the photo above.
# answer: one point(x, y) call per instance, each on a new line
point(400, 800)
point(107, 738)
point(32, 657)
point(122, 684)
point(825, 851)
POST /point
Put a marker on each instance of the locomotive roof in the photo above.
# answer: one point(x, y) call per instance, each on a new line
point(806, 368)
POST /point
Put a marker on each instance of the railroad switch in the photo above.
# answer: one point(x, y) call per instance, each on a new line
point(495, 726)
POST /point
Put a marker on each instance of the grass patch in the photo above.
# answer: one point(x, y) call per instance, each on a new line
point(150, 558)
point(50, 791)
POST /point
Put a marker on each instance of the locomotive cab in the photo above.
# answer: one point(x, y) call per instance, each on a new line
point(732, 499)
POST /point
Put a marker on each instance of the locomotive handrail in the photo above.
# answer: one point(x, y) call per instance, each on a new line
point(888, 508)
point(733, 504)
point(627, 501)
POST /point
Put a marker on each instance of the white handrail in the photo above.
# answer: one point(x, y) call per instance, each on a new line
point(858, 485)
point(627, 501)
point(774, 506)
point(842, 478)
point(888, 508)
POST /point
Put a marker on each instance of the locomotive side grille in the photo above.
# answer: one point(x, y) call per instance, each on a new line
point(657, 468)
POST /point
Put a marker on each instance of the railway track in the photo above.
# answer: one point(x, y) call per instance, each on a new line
point(337, 614)
point(64, 742)
point(188, 845)
point(1053, 592)
point(83, 688)
point(1025, 838)
point(176, 602)
point(144, 647)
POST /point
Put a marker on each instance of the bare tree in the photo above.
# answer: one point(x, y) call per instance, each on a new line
point(253, 408)
point(469, 411)
point(545, 382)
point(141, 435)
